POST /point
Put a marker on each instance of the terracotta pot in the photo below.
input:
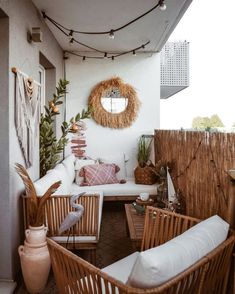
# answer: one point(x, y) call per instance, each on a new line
point(35, 259)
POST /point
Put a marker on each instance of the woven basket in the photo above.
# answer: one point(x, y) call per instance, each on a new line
point(145, 175)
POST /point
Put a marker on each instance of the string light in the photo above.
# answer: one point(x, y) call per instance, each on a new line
point(161, 4)
point(134, 53)
point(70, 35)
point(105, 56)
point(111, 34)
point(83, 58)
point(71, 41)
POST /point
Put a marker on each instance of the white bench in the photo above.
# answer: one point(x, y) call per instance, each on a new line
point(86, 234)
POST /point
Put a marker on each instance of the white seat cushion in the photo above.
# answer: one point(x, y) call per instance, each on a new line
point(121, 269)
point(129, 188)
point(69, 164)
point(42, 185)
point(157, 265)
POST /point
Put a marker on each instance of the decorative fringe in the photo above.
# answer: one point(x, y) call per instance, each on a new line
point(120, 120)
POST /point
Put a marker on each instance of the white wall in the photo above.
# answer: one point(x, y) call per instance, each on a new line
point(143, 73)
point(25, 56)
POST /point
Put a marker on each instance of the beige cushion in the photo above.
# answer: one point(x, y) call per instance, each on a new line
point(158, 265)
point(69, 164)
point(121, 269)
point(46, 181)
point(129, 188)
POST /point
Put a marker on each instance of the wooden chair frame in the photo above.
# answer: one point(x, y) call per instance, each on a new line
point(56, 209)
point(209, 275)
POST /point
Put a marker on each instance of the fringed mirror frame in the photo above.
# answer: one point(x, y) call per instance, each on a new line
point(120, 120)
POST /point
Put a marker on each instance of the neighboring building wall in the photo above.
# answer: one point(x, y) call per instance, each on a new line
point(143, 73)
point(174, 68)
point(24, 56)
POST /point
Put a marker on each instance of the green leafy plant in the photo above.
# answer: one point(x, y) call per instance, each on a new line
point(144, 149)
point(51, 147)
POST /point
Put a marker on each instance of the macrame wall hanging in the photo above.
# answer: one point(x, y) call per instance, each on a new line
point(27, 113)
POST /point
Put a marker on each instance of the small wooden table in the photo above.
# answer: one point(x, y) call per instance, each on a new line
point(135, 226)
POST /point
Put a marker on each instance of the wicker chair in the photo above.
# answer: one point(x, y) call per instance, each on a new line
point(84, 235)
point(209, 275)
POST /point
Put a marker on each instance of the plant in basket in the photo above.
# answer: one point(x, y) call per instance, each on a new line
point(34, 254)
point(144, 173)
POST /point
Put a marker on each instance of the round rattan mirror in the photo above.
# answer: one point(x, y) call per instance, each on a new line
point(114, 103)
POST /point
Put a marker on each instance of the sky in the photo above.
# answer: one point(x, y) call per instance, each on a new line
point(209, 27)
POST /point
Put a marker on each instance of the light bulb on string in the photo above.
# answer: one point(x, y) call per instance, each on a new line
point(143, 47)
point(111, 34)
point(105, 55)
point(84, 58)
point(112, 58)
point(162, 5)
point(70, 36)
point(71, 41)
point(134, 53)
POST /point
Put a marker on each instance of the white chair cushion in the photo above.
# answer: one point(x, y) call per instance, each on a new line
point(129, 188)
point(121, 269)
point(69, 164)
point(118, 159)
point(45, 182)
point(157, 265)
point(65, 179)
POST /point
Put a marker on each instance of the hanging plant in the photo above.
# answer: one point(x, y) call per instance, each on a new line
point(51, 147)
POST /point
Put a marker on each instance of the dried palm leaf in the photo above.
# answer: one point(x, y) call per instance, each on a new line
point(29, 189)
point(42, 202)
point(35, 204)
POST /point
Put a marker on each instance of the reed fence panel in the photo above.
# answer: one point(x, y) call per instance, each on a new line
point(199, 163)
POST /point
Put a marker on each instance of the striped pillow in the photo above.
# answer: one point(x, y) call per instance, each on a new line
point(99, 174)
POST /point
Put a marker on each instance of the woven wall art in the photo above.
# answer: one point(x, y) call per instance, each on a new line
point(120, 120)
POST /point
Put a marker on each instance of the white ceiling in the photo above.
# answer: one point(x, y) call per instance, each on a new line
point(102, 15)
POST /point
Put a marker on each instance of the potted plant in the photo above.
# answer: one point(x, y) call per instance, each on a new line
point(144, 173)
point(51, 146)
point(34, 255)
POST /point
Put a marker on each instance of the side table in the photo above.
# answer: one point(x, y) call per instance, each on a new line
point(135, 226)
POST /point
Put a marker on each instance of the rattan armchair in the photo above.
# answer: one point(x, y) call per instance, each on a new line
point(83, 235)
point(209, 275)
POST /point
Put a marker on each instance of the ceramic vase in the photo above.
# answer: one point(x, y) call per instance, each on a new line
point(35, 259)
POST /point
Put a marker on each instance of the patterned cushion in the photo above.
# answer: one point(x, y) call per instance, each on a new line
point(99, 174)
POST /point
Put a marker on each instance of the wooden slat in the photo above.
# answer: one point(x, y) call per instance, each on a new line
point(56, 209)
point(208, 275)
point(200, 161)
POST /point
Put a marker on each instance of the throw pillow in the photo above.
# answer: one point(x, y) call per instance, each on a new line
point(158, 265)
point(117, 159)
point(80, 163)
point(99, 174)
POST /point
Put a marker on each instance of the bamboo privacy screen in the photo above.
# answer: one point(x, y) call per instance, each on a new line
point(200, 161)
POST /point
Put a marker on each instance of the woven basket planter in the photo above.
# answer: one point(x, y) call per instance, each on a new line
point(145, 175)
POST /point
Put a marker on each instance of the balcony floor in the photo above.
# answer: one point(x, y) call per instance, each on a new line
point(110, 248)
